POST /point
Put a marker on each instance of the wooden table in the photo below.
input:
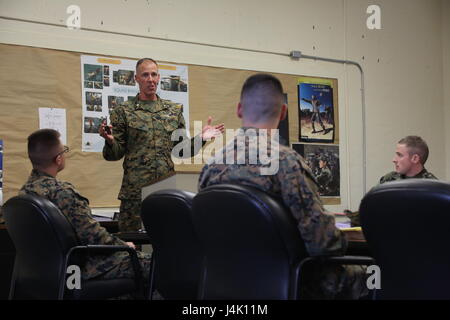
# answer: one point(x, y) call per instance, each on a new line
point(357, 244)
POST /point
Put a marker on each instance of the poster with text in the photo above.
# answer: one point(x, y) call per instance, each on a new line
point(323, 159)
point(316, 111)
point(109, 82)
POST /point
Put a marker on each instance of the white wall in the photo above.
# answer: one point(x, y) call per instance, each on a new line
point(403, 62)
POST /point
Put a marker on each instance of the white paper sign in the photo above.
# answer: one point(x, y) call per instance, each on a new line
point(54, 118)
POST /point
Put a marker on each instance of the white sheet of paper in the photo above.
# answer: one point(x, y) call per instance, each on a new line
point(54, 118)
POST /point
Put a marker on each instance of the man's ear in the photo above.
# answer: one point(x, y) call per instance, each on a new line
point(415, 158)
point(58, 160)
point(239, 110)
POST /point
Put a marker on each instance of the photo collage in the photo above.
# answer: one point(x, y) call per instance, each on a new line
point(107, 83)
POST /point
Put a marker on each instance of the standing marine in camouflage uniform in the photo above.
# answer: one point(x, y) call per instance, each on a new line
point(141, 132)
point(262, 107)
point(409, 160)
point(47, 156)
point(324, 177)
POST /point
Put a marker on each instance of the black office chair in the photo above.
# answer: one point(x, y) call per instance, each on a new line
point(407, 227)
point(176, 258)
point(46, 244)
point(253, 249)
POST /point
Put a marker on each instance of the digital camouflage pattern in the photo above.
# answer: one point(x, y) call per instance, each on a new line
point(129, 220)
point(296, 185)
point(89, 232)
point(142, 133)
point(354, 217)
point(393, 176)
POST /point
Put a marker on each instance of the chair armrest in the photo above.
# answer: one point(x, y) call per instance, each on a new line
point(109, 249)
point(349, 260)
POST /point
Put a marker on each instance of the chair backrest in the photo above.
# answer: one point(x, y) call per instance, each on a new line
point(42, 236)
point(177, 257)
point(251, 243)
point(407, 227)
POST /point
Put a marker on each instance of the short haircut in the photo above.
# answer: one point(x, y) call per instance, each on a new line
point(43, 147)
point(141, 61)
point(261, 98)
point(416, 145)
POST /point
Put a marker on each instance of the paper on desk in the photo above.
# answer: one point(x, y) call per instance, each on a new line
point(351, 229)
point(342, 221)
point(343, 225)
point(104, 212)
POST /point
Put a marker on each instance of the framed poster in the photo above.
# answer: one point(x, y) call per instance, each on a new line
point(323, 159)
point(316, 111)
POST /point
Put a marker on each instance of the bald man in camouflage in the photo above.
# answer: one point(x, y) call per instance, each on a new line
point(141, 133)
point(262, 107)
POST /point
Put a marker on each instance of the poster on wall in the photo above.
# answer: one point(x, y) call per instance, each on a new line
point(316, 110)
point(109, 82)
point(323, 159)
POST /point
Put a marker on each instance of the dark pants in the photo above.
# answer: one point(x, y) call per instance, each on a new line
point(124, 269)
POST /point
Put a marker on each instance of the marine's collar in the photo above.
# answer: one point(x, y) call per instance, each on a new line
point(150, 105)
point(36, 172)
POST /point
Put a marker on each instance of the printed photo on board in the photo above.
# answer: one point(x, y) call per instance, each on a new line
point(316, 114)
point(323, 159)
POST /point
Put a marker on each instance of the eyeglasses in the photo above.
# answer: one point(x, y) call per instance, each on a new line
point(66, 149)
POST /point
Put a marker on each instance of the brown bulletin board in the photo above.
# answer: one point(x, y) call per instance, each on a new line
point(33, 78)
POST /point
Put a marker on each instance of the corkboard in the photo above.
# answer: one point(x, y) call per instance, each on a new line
point(33, 78)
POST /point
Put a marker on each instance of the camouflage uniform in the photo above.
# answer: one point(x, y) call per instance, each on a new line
point(391, 176)
point(142, 134)
point(298, 189)
point(324, 178)
point(89, 232)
